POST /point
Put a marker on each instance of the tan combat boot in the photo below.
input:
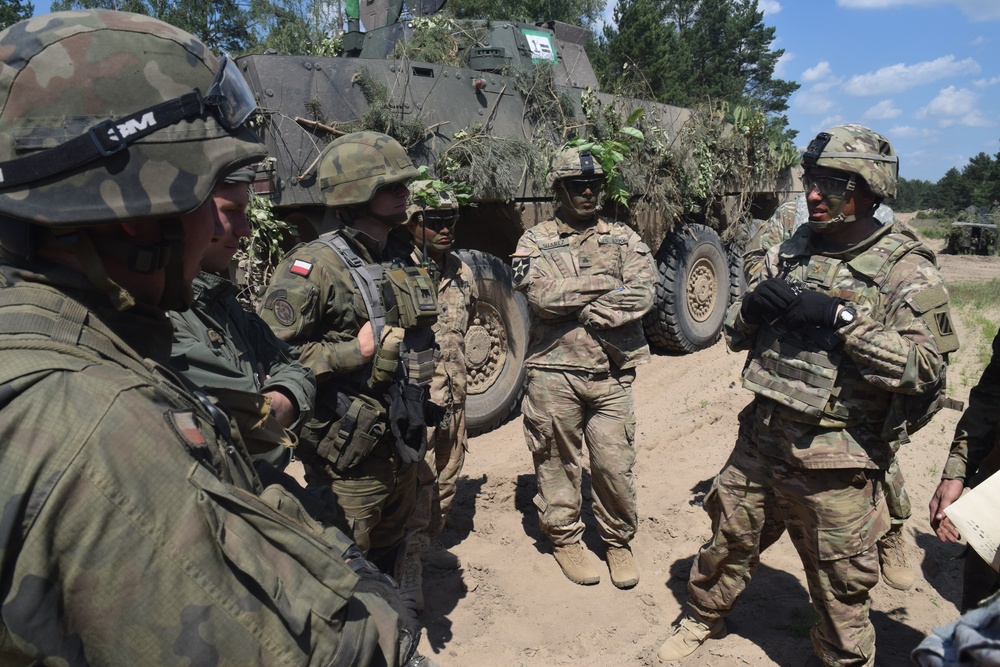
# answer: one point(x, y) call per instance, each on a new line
point(896, 568)
point(621, 565)
point(411, 582)
point(687, 636)
point(576, 564)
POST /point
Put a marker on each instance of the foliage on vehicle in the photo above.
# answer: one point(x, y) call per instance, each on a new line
point(261, 252)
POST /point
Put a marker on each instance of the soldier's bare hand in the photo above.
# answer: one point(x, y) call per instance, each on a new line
point(366, 339)
point(948, 491)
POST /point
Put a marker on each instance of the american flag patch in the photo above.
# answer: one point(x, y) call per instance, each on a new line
point(301, 268)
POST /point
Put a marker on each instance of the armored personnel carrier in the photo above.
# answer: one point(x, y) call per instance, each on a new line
point(439, 111)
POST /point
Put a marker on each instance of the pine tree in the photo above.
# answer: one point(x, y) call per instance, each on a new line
point(12, 11)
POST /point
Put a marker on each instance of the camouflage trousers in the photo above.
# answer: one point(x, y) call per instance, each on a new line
point(834, 518)
point(437, 475)
point(564, 410)
point(376, 499)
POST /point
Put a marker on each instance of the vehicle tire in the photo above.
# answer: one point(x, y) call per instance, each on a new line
point(495, 345)
point(692, 290)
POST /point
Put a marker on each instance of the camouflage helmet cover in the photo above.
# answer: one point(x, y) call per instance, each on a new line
point(571, 161)
point(859, 150)
point(354, 166)
point(444, 200)
point(63, 73)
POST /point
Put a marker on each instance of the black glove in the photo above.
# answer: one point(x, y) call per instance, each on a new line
point(406, 420)
point(813, 309)
point(434, 415)
point(769, 301)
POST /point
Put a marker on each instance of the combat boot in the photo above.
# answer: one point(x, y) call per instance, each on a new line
point(687, 636)
point(621, 565)
point(576, 564)
point(896, 568)
point(411, 583)
point(440, 558)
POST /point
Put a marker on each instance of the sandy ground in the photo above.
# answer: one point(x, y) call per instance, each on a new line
point(509, 604)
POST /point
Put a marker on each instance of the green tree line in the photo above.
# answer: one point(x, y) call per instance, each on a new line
point(976, 184)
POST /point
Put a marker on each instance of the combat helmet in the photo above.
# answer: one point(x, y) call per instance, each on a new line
point(425, 198)
point(108, 116)
point(859, 150)
point(354, 166)
point(571, 161)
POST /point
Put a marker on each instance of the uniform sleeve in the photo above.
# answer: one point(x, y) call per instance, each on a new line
point(194, 354)
point(309, 305)
point(900, 352)
point(552, 292)
point(976, 435)
point(280, 361)
point(777, 229)
point(630, 301)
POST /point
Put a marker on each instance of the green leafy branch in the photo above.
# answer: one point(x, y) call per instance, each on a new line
point(430, 194)
point(612, 152)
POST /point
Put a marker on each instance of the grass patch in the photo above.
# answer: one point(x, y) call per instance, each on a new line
point(977, 303)
point(928, 227)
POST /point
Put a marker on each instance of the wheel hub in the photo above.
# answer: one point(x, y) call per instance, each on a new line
point(485, 348)
point(702, 290)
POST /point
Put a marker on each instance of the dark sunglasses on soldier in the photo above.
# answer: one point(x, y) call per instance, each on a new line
point(577, 186)
point(828, 186)
point(437, 221)
point(396, 188)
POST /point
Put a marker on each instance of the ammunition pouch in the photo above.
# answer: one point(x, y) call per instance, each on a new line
point(410, 297)
point(350, 436)
point(385, 363)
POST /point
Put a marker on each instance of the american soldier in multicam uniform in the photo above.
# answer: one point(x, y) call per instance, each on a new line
point(974, 456)
point(433, 228)
point(369, 428)
point(896, 568)
point(847, 316)
point(232, 353)
point(136, 531)
point(588, 281)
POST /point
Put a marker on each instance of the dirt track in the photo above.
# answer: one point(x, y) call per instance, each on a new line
point(510, 605)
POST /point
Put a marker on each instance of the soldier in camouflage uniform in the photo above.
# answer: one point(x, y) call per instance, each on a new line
point(372, 359)
point(233, 354)
point(136, 531)
point(848, 319)
point(433, 228)
point(974, 456)
point(896, 568)
point(588, 281)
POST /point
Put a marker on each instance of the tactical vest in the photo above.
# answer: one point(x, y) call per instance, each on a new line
point(803, 371)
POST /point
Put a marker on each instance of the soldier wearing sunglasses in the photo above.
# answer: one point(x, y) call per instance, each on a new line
point(846, 321)
point(588, 281)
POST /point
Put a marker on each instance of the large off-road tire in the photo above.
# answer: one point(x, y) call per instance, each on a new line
point(495, 345)
point(692, 290)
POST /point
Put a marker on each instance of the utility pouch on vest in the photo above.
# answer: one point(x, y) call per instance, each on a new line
point(351, 438)
point(410, 292)
point(781, 370)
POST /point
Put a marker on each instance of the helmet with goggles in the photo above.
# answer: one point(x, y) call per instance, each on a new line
point(854, 149)
point(572, 163)
point(107, 116)
point(353, 167)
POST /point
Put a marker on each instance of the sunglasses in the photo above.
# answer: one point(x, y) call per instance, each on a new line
point(577, 186)
point(828, 186)
point(397, 188)
point(437, 221)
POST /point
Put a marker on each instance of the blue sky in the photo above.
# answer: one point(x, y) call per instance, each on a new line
point(926, 73)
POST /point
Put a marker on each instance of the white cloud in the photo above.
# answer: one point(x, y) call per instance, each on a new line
point(910, 132)
point(817, 73)
point(769, 7)
point(884, 110)
point(812, 102)
point(955, 106)
point(984, 83)
point(980, 41)
point(781, 67)
point(900, 77)
point(977, 10)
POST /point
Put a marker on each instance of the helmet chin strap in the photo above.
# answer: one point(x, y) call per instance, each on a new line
point(177, 292)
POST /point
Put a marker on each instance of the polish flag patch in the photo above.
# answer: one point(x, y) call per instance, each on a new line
point(301, 268)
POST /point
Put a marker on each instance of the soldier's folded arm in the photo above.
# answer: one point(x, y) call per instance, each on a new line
point(633, 299)
point(905, 354)
point(286, 373)
point(553, 296)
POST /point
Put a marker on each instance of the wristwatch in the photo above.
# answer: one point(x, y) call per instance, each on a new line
point(845, 316)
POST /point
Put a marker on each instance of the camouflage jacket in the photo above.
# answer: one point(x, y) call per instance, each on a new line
point(975, 451)
point(313, 303)
point(895, 345)
point(588, 289)
point(457, 295)
point(136, 533)
point(219, 345)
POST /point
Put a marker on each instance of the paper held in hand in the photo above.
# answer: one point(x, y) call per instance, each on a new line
point(977, 519)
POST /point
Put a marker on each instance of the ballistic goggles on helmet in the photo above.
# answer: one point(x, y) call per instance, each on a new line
point(230, 99)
